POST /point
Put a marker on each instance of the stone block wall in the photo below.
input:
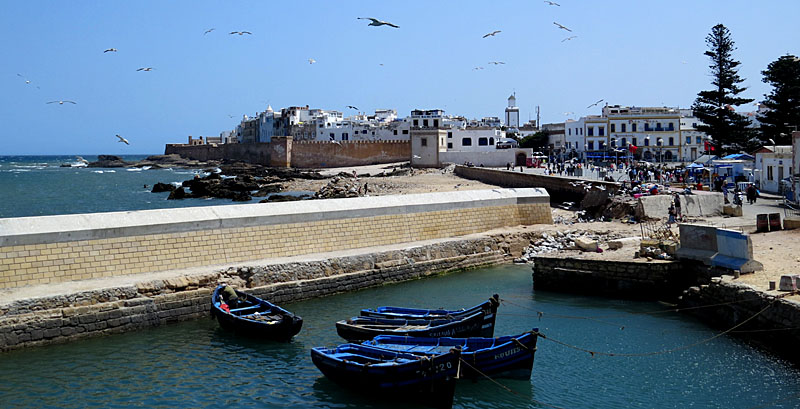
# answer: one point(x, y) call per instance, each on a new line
point(315, 154)
point(52, 249)
point(152, 303)
point(628, 279)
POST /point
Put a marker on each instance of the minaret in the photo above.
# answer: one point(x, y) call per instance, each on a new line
point(512, 112)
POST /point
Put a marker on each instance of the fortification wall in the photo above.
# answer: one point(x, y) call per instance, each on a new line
point(52, 249)
point(313, 154)
point(257, 153)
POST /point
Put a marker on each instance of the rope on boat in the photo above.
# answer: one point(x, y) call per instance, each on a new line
point(503, 386)
point(666, 351)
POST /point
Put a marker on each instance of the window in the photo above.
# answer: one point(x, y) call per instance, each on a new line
point(395, 131)
point(646, 127)
point(333, 137)
point(601, 145)
point(646, 141)
point(671, 141)
point(491, 141)
point(694, 124)
point(624, 142)
point(449, 135)
point(416, 122)
point(601, 131)
point(621, 126)
point(688, 140)
point(590, 145)
point(581, 131)
point(569, 131)
point(590, 131)
point(435, 123)
point(483, 141)
point(466, 141)
point(425, 123)
point(670, 126)
point(613, 128)
point(363, 131)
point(423, 141)
point(449, 145)
point(699, 140)
point(345, 136)
point(633, 128)
point(614, 143)
point(770, 173)
point(634, 142)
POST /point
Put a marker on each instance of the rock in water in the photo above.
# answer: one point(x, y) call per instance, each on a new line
point(163, 187)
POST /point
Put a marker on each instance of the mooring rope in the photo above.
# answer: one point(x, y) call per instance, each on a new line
point(666, 351)
point(505, 387)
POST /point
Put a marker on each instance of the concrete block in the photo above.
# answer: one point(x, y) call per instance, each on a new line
point(626, 241)
point(697, 242)
point(791, 223)
point(789, 282)
point(586, 244)
point(731, 210)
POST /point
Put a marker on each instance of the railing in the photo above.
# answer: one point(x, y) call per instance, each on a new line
point(790, 209)
point(657, 230)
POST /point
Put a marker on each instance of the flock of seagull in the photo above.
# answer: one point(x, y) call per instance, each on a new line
point(373, 22)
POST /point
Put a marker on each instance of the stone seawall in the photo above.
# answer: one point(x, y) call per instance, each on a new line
point(627, 279)
point(766, 318)
point(149, 303)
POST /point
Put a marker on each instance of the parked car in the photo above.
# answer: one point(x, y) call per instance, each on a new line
point(506, 143)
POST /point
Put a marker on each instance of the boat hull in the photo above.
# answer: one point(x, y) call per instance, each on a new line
point(389, 374)
point(272, 322)
point(364, 328)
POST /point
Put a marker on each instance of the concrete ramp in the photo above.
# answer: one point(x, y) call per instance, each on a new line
point(735, 252)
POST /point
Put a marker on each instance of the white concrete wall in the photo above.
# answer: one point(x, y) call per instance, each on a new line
point(496, 158)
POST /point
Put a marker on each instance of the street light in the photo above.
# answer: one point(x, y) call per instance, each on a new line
point(659, 142)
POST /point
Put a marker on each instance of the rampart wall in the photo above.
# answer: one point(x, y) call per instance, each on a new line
point(53, 249)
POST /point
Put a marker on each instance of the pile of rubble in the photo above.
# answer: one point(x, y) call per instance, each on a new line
point(340, 187)
point(653, 253)
point(566, 240)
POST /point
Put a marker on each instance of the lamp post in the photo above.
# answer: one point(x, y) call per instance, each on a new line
point(659, 142)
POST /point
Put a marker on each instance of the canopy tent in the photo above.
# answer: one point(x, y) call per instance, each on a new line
point(739, 156)
point(695, 166)
point(706, 159)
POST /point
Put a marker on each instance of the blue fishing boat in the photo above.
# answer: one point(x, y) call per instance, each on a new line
point(508, 356)
point(359, 329)
point(427, 379)
point(488, 308)
point(255, 317)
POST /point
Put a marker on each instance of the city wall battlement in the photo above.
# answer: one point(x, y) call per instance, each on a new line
point(54, 249)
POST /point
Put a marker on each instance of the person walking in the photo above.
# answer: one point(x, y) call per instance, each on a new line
point(751, 194)
point(676, 201)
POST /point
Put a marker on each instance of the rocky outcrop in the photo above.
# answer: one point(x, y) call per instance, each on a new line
point(340, 187)
point(109, 161)
point(163, 187)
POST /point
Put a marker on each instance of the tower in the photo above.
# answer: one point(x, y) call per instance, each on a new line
point(512, 112)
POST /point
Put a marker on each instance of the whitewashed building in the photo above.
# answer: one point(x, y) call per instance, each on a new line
point(774, 164)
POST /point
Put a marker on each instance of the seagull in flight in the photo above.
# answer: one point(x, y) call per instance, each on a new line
point(240, 32)
point(109, 50)
point(376, 22)
point(595, 104)
point(121, 139)
point(496, 62)
point(569, 38)
point(568, 113)
point(551, 3)
point(562, 27)
point(209, 30)
point(62, 102)
point(477, 68)
point(492, 34)
point(311, 61)
point(352, 107)
point(146, 69)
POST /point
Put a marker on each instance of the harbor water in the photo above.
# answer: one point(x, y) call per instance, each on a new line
point(196, 364)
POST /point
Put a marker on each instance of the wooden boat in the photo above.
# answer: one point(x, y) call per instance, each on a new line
point(256, 317)
point(358, 329)
point(428, 379)
point(488, 308)
point(508, 356)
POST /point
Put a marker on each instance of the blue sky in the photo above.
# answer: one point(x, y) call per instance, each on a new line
point(645, 53)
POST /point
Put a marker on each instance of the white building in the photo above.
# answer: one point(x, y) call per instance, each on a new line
point(512, 113)
point(796, 165)
point(774, 165)
point(473, 139)
point(693, 141)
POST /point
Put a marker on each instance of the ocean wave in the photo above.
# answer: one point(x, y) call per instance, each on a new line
point(134, 169)
point(104, 171)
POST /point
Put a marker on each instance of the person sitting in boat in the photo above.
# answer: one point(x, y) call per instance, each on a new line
point(229, 295)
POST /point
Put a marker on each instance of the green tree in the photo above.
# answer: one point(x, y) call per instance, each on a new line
point(783, 103)
point(730, 131)
point(537, 141)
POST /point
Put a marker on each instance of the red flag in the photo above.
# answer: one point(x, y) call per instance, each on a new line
point(709, 146)
point(632, 148)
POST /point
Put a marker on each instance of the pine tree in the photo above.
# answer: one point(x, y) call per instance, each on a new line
point(783, 103)
point(729, 130)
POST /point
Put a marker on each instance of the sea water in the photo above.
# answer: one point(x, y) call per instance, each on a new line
point(196, 364)
point(39, 186)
